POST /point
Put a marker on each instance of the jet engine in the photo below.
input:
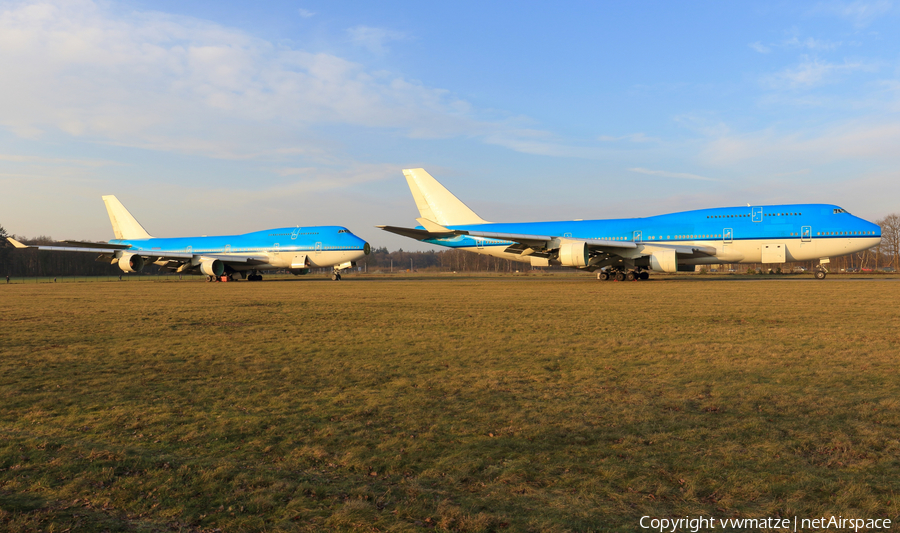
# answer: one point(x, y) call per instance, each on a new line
point(130, 262)
point(664, 261)
point(212, 267)
point(573, 254)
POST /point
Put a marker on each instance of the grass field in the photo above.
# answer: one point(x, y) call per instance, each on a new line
point(496, 404)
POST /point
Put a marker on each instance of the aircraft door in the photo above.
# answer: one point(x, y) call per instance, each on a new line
point(227, 248)
point(637, 236)
point(479, 243)
point(727, 235)
point(806, 234)
point(756, 214)
point(318, 248)
point(295, 233)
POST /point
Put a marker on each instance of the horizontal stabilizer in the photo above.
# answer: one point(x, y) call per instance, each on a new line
point(433, 227)
point(418, 234)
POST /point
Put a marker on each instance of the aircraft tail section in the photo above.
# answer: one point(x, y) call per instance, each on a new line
point(436, 203)
point(124, 225)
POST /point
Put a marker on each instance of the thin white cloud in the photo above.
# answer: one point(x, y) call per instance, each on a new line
point(812, 72)
point(305, 13)
point(634, 137)
point(667, 174)
point(871, 141)
point(374, 39)
point(162, 82)
point(759, 47)
point(860, 12)
point(811, 43)
point(13, 158)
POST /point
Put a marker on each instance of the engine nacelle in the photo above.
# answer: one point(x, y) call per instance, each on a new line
point(573, 254)
point(130, 262)
point(212, 267)
point(664, 261)
point(299, 271)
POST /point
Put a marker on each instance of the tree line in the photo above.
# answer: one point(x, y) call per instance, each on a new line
point(32, 262)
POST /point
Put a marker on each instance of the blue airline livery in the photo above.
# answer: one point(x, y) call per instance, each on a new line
point(295, 249)
point(630, 248)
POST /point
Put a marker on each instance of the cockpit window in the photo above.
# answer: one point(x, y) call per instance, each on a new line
point(839, 210)
point(343, 231)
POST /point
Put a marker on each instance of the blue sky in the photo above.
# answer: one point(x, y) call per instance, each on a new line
point(226, 117)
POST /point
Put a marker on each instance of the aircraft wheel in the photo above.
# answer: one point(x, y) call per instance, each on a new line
point(645, 275)
point(209, 278)
point(603, 276)
point(334, 276)
point(820, 274)
point(630, 276)
point(620, 276)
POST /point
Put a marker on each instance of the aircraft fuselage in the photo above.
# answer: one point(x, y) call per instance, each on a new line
point(737, 234)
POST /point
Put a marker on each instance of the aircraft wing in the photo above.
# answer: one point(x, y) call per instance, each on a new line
point(156, 255)
point(232, 258)
point(526, 240)
point(74, 246)
point(681, 249)
point(548, 241)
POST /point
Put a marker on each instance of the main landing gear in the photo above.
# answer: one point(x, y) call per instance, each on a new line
point(623, 275)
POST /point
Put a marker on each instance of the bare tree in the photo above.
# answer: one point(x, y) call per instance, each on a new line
point(890, 237)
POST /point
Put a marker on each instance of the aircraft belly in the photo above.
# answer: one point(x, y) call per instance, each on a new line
point(327, 258)
point(735, 252)
point(496, 251)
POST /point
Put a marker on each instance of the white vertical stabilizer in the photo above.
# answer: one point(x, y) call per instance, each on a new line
point(124, 225)
point(436, 203)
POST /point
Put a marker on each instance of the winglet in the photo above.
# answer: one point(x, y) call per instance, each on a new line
point(16, 243)
point(124, 225)
point(436, 203)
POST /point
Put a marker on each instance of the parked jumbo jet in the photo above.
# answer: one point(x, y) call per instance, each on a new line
point(628, 248)
point(296, 249)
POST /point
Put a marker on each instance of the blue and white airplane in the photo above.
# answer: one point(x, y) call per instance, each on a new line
point(295, 249)
point(628, 248)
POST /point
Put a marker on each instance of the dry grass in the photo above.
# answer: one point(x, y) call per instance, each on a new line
point(504, 403)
